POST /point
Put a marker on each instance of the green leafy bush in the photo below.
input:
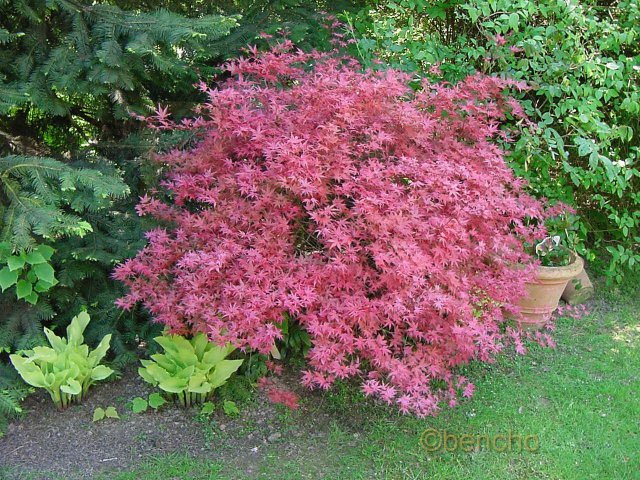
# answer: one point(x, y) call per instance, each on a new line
point(66, 369)
point(190, 370)
point(30, 272)
point(582, 62)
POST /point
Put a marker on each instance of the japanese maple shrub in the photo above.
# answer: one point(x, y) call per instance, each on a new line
point(383, 219)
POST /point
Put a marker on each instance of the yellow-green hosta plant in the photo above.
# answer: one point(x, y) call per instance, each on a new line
point(189, 369)
point(66, 369)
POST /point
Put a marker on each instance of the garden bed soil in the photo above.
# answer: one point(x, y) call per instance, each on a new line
point(47, 443)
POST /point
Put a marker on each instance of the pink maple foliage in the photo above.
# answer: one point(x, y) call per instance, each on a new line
point(384, 219)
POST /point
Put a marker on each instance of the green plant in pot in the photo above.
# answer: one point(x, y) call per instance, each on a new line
point(558, 265)
point(189, 369)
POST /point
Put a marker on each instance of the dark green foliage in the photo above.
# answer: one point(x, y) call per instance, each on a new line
point(45, 198)
point(303, 19)
point(295, 341)
point(238, 389)
point(12, 392)
point(72, 70)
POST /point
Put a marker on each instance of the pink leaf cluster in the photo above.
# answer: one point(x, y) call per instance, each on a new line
point(278, 395)
point(383, 218)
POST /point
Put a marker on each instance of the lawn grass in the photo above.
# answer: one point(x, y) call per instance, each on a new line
point(581, 401)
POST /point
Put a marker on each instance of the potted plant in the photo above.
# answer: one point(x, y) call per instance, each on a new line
point(558, 265)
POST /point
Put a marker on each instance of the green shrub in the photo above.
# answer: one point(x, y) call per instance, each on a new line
point(66, 369)
point(582, 62)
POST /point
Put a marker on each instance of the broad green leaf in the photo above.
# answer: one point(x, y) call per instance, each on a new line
point(146, 376)
point(8, 278)
point(43, 354)
point(207, 408)
point(45, 272)
point(100, 351)
point(32, 298)
point(156, 400)
point(217, 354)
point(186, 372)
point(35, 258)
point(98, 414)
point(200, 342)
point(23, 289)
point(41, 286)
point(167, 343)
point(111, 412)
point(76, 328)
point(45, 250)
point(198, 384)
point(186, 358)
point(31, 276)
point(15, 262)
point(50, 379)
point(202, 388)
point(158, 373)
point(230, 408)
point(72, 387)
point(514, 20)
point(174, 385)
point(164, 361)
point(139, 405)
point(30, 372)
point(223, 371)
point(100, 372)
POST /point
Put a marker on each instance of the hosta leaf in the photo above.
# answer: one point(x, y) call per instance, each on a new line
point(168, 344)
point(165, 362)
point(217, 354)
point(146, 376)
point(50, 380)
point(30, 372)
point(101, 350)
point(198, 384)
point(76, 328)
point(223, 371)
point(200, 342)
point(72, 387)
point(100, 372)
point(174, 384)
point(44, 354)
point(157, 372)
point(56, 342)
point(201, 388)
point(186, 358)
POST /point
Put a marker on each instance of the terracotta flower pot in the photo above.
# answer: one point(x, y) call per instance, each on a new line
point(544, 293)
point(579, 289)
